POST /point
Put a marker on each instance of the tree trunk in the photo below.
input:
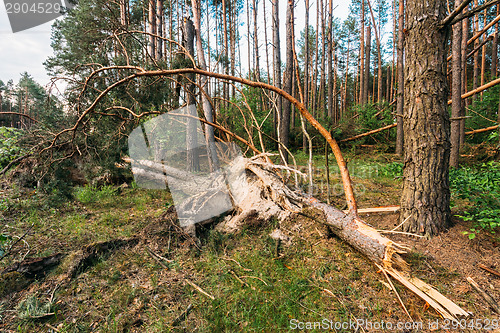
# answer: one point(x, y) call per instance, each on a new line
point(256, 41)
point(329, 56)
point(207, 106)
point(288, 82)
point(494, 49)
point(124, 13)
point(276, 64)
point(425, 199)
point(476, 54)
point(362, 55)
point(456, 92)
point(152, 28)
point(159, 29)
point(368, 50)
point(465, 37)
point(191, 132)
point(379, 55)
point(401, 81)
point(226, 52)
point(483, 53)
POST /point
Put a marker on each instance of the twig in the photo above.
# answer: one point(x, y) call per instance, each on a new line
point(17, 160)
point(156, 258)
point(493, 304)
point(254, 277)
point(199, 289)
point(243, 268)
point(14, 244)
point(182, 316)
point(401, 224)
point(239, 280)
point(399, 232)
point(492, 271)
point(395, 291)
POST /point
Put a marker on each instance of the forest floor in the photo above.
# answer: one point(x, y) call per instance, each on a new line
point(126, 267)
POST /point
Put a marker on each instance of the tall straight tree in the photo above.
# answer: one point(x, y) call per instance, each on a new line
point(159, 29)
point(494, 49)
point(288, 81)
point(277, 61)
point(193, 161)
point(401, 80)
point(368, 51)
point(256, 40)
point(362, 54)
point(456, 90)
point(207, 106)
point(425, 199)
point(329, 56)
point(152, 28)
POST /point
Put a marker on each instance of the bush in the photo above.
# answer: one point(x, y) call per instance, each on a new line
point(9, 145)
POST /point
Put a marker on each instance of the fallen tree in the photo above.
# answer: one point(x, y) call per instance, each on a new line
point(266, 194)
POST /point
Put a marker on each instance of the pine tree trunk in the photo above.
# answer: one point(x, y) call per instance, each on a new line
point(191, 133)
point(207, 107)
point(368, 51)
point(362, 55)
point(322, 81)
point(401, 81)
point(276, 64)
point(483, 54)
point(256, 41)
point(465, 37)
point(329, 56)
point(152, 28)
point(159, 29)
point(476, 54)
point(288, 82)
point(494, 49)
point(425, 199)
point(456, 91)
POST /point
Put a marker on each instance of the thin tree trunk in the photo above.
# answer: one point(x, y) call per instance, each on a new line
point(329, 56)
point(494, 49)
point(256, 41)
point(124, 13)
point(277, 65)
point(152, 28)
point(159, 29)
point(288, 83)
point(401, 80)
point(483, 52)
point(425, 199)
point(193, 162)
point(379, 55)
point(465, 37)
point(207, 107)
point(322, 82)
point(226, 52)
point(314, 80)
point(476, 55)
point(362, 55)
point(390, 97)
point(306, 72)
point(368, 50)
point(456, 92)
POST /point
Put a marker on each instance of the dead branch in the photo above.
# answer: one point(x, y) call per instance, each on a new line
point(21, 115)
point(474, 11)
point(17, 160)
point(482, 130)
point(479, 89)
point(492, 302)
point(492, 271)
point(369, 133)
point(457, 11)
point(192, 284)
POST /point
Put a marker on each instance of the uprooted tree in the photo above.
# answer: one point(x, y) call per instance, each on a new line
point(266, 193)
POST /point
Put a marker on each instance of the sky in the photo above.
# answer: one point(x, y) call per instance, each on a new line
point(27, 50)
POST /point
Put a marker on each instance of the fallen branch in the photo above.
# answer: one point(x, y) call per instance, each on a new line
point(182, 316)
point(385, 209)
point(479, 89)
point(493, 303)
point(492, 271)
point(199, 289)
point(20, 114)
point(17, 160)
point(369, 133)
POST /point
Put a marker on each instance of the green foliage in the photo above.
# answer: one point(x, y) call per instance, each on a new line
point(482, 188)
point(391, 170)
point(90, 194)
point(4, 241)
point(479, 112)
point(9, 145)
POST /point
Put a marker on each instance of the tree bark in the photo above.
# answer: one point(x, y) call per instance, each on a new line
point(288, 83)
point(256, 41)
point(159, 29)
point(191, 132)
point(425, 199)
point(465, 37)
point(362, 55)
point(276, 63)
point(368, 51)
point(494, 49)
point(207, 106)
point(456, 92)
point(329, 57)
point(152, 28)
point(401, 81)
point(476, 54)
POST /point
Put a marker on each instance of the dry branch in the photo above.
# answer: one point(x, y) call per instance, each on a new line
point(479, 89)
point(492, 271)
point(21, 115)
point(493, 304)
point(369, 133)
point(482, 130)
